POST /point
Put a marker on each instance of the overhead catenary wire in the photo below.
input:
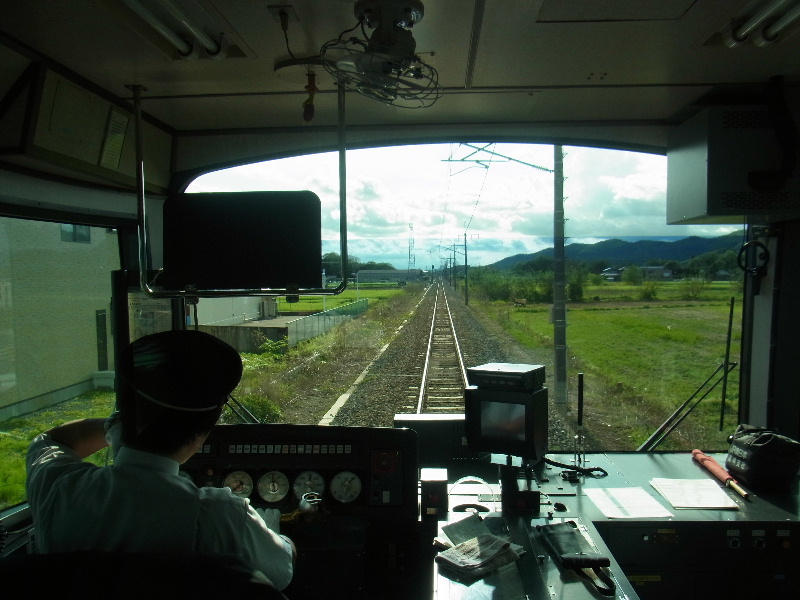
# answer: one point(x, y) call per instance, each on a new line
point(446, 197)
point(480, 192)
point(486, 163)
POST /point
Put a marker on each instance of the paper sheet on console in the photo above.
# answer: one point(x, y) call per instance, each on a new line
point(693, 493)
point(626, 503)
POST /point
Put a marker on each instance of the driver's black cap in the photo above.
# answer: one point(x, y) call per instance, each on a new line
point(183, 369)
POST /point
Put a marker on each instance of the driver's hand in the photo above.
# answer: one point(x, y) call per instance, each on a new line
point(272, 518)
point(113, 430)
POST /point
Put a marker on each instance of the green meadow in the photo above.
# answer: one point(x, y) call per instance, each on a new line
point(641, 360)
point(315, 304)
point(16, 433)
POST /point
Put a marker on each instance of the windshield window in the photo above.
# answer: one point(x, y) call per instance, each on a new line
point(652, 310)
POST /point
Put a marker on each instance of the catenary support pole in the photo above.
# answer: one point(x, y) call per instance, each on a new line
point(559, 280)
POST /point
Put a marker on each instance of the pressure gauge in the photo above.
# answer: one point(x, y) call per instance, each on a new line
point(241, 483)
point(345, 486)
point(273, 486)
point(308, 481)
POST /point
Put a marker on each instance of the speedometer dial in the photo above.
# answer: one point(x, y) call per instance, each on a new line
point(241, 483)
point(308, 481)
point(345, 486)
point(273, 486)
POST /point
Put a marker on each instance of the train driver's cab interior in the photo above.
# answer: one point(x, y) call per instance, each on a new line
point(494, 384)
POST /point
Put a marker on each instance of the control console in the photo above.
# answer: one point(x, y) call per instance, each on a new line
point(348, 496)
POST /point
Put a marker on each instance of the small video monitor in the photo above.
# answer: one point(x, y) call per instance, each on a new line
point(510, 423)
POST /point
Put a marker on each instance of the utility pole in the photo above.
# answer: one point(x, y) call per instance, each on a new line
point(453, 270)
point(449, 263)
point(448, 269)
point(411, 256)
point(559, 271)
point(559, 279)
point(466, 275)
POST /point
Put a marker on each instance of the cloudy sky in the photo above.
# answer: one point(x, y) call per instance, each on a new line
point(501, 197)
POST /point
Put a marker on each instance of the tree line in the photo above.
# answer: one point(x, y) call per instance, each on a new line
point(332, 263)
point(533, 280)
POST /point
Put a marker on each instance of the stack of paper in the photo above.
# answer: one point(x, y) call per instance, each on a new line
point(626, 503)
point(694, 493)
point(472, 550)
point(478, 556)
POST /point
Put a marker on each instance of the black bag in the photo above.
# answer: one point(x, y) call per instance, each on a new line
point(762, 459)
point(571, 551)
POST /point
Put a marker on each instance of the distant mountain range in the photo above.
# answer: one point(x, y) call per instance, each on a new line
point(619, 253)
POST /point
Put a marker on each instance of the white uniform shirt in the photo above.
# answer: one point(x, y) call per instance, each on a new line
point(141, 504)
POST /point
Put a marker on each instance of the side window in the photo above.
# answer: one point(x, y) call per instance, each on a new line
point(55, 334)
point(76, 233)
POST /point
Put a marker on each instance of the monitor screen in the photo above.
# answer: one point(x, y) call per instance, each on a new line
point(504, 422)
point(242, 241)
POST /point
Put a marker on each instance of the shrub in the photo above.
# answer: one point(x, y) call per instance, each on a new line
point(575, 291)
point(692, 288)
point(649, 290)
point(275, 348)
point(633, 275)
point(596, 280)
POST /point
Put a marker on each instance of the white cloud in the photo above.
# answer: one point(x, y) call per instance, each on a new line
point(434, 193)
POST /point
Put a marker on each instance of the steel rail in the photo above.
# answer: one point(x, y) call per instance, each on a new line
point(443, 375)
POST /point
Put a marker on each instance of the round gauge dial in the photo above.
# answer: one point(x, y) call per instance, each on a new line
point(308, 481)
point(273, 486)
point(241, 483)
point(345, 486)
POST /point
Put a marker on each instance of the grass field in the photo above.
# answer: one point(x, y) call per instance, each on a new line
point(666, 290)
point(641, 360)
point(317, 304)
point(17, 433)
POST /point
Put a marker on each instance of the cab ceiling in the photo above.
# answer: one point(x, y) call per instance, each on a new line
point(616, 73)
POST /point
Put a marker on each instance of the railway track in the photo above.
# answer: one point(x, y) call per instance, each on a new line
point(444, 375)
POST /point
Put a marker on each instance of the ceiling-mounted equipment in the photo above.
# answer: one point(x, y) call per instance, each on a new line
point(762, 24)
point(383, 66)
point(191, 36)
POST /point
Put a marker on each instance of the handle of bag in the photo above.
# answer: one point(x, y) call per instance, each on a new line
point(599, 579)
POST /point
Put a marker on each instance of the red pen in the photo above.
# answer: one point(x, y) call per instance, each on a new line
point(713, 467)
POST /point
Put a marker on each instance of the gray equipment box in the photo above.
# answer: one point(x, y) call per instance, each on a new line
point(507, 376)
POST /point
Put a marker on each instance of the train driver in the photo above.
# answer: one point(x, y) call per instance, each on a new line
point(180, 381)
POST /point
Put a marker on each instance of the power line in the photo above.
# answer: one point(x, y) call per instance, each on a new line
point(559, 296)
point(480, 192)
point(446, 196)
